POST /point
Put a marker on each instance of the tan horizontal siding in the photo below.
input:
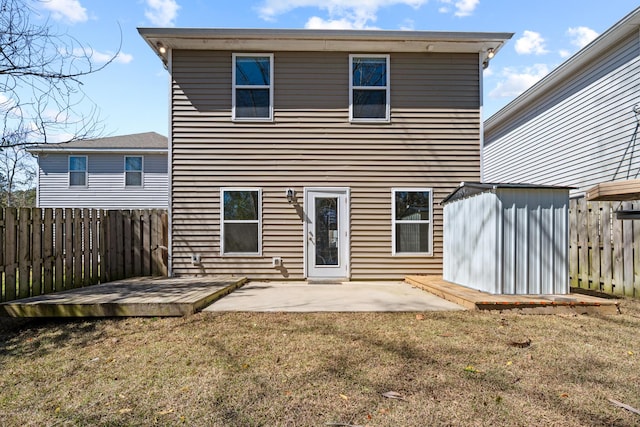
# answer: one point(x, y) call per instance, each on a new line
point(432, 141)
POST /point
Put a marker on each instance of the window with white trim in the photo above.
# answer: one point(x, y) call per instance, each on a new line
point(241, 228)
point(133, 171)
point(252, 86)
point(369, 88)
point(77, 171)
point(412, 221)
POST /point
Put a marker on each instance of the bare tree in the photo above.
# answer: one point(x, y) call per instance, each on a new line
point(41, 75)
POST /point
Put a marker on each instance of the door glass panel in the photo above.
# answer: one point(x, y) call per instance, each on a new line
point(326, 232)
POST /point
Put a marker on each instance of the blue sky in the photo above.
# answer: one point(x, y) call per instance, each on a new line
point(132, 92)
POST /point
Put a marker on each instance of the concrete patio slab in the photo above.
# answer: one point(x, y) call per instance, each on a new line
point(345, 297)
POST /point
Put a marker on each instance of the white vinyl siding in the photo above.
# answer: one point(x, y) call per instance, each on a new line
point(577, 134)
point(105, 183)
point(411, 215)
point(252, 76)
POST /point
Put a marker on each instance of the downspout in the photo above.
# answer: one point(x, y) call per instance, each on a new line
point(481, 86)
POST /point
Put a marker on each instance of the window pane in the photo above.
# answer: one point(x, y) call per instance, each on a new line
point(241, 205)
point(77, 163)
point(133, 179)
point(133, 163)
point(241, 238)
point(412, 205)
point(252, 70)
point(369, 72)
point(369, 104)
point(252, 103)
point(77, 178)
point(412, 237)
point(326, 231)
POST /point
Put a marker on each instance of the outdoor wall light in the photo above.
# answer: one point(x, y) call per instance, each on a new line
point(161, 48)
point(491, 53)
point(291, 194)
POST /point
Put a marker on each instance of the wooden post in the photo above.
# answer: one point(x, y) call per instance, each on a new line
point(95, 253)
point(627, 253)
point(136, 243)
point(105, 275)
point(618, 260)
point(594, 237)
point(68, 248)
point(37, 254)
point(146, 244)
point(24, 247)
point(86, 247)
point(47, 250)
point(77, 248)
point(636, 254)
point(59, 250)
point(583, 239)
point(127, 243)
point(573, 245)
point(10, 254)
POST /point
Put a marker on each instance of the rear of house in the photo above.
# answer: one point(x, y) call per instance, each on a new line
point(318, 154)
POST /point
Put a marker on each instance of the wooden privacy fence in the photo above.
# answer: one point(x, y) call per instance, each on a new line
point(604, 251)
point(51, 250)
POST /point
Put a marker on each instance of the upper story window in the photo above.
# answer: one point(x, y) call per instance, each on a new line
point(252, 86)
point(369, 86)
point(133, 171)
point(77, 171)
point(412, 221)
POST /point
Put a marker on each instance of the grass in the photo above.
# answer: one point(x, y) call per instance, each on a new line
point(261, 369)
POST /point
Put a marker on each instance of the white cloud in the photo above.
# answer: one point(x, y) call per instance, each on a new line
point(515, 81)
point(581, 36)
point(408, 25)
point(564, 53)
point(465, 7)
point(317, 23)
point(353, 14)
point(100, 57)
point(530, 42)
point(162, 12)
point(71, 10)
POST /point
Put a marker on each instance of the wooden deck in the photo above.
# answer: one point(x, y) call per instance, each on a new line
point(534, 304)
point(143, 296)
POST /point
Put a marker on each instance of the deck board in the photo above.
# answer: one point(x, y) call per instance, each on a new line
point(540, 304)
point(143, 296)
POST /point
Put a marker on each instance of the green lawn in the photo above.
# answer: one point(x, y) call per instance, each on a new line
point(260, 369)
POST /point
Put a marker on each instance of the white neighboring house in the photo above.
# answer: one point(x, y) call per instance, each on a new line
point(578, 126)
point(120, 172)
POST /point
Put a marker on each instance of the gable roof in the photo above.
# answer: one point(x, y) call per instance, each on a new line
point(580, 60)
point(139, 142)
point(371, 41)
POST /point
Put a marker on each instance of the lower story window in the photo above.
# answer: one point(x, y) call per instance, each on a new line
point(412, 220)
point(241, 230)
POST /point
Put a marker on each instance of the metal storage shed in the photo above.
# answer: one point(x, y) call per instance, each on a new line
point(507, 238)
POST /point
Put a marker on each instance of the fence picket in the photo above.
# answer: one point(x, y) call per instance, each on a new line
point(24, 245)
point(47, 251)
point(77, 248)
point(594, 238)
point(10, 254)
point(68, 249)
point(36, 252)
point(59, 250)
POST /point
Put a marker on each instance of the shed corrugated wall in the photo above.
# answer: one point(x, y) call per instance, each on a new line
point(432, 141)
point(509, 241)
point(577, 134)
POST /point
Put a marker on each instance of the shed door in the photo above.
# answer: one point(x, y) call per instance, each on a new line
point(327, 233)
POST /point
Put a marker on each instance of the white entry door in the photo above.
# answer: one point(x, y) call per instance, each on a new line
point(327, 233)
